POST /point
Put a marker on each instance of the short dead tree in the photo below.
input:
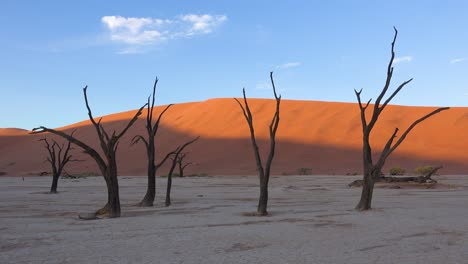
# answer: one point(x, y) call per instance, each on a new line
point(152, 130)
point(263, 172)
point(181, 165)
point(372, 170)
point(58, 157)
point(107, 163)
point(175, 159)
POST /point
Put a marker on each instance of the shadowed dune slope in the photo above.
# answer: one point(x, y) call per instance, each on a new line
point(322, 136)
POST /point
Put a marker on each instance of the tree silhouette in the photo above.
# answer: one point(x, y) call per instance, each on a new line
point(152, 129)
point(107, 163)
point(373, 170)
point(263, 172)
point(176, 154)
point(57, 160)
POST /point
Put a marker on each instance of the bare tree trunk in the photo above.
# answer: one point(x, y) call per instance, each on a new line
point(150, 195)
point(263, 199)
point(53, 188)
point(365, 203)
point(181, 170)
point(169, 184)
point(113, 198)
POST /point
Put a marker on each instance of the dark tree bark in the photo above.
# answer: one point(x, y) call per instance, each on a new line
point(372, 171)
point(57, 160)
point(181, 164)
point(152, 130)
point(107, 162)
point(175, 159)
point(263, 172)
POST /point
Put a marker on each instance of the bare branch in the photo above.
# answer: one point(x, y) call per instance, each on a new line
point(273, 85)
point(386, 150)
point(273, 128)
point(186, 164)
point(166, 157)
point(90, 114)
point(186, 144)
point(156, 125)
point(394, 93)
point(151, 107)
point(139, 138)
point(243, 108)
point(73, 140)
point(133, 120)
point(403, 136)
point(389, 73)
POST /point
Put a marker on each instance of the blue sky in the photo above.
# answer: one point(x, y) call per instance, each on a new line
point(319, 50)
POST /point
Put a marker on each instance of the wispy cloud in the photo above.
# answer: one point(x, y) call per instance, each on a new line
point(202, 24)
point(403, 59)
point(263, 86)
point(457, 60)
point(137, 32)
point(288, 65)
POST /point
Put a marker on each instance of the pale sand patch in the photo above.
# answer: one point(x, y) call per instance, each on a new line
point(312, 221)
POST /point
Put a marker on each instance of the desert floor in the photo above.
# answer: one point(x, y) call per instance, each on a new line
point(312, 221)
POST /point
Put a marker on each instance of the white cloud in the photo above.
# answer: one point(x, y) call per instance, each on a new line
point(458, 60)
point(403, 59)
point(202, 23)
point(140, 31)
point(288, 65)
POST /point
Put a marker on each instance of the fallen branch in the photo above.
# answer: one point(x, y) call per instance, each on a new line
point(417, 179)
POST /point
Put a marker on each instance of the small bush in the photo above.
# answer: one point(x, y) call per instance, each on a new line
point(397, 171)
point(423, 170)
point(304, 171)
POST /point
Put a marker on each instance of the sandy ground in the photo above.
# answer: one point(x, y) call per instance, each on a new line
point(312, 221)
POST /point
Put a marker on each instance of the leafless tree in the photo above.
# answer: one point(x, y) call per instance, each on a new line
point(181, 164)
point(107, 163)
point(152, 129)
point(263, 172)
point(372, 170)
point(57, 160)
point(176, 154)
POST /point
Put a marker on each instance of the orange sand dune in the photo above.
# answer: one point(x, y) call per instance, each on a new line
point(322, 136)
point(12, 132)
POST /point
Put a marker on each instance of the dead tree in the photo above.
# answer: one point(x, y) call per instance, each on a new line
point(263, 172)
point(372, 170)
point(176, 154)
point(57, 160)
point(107, 163)
point(152, 130)
point(181, 164)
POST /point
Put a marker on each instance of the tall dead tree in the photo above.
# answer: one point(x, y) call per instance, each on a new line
point(372, 170)
point(57, 160)
point(181, 164)
point(176, 154)
point(151, 129)
point(263, 172)
point(107, 163)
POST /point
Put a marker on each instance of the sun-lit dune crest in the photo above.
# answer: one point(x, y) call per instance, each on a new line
point(323, 136)
point(12, 131)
